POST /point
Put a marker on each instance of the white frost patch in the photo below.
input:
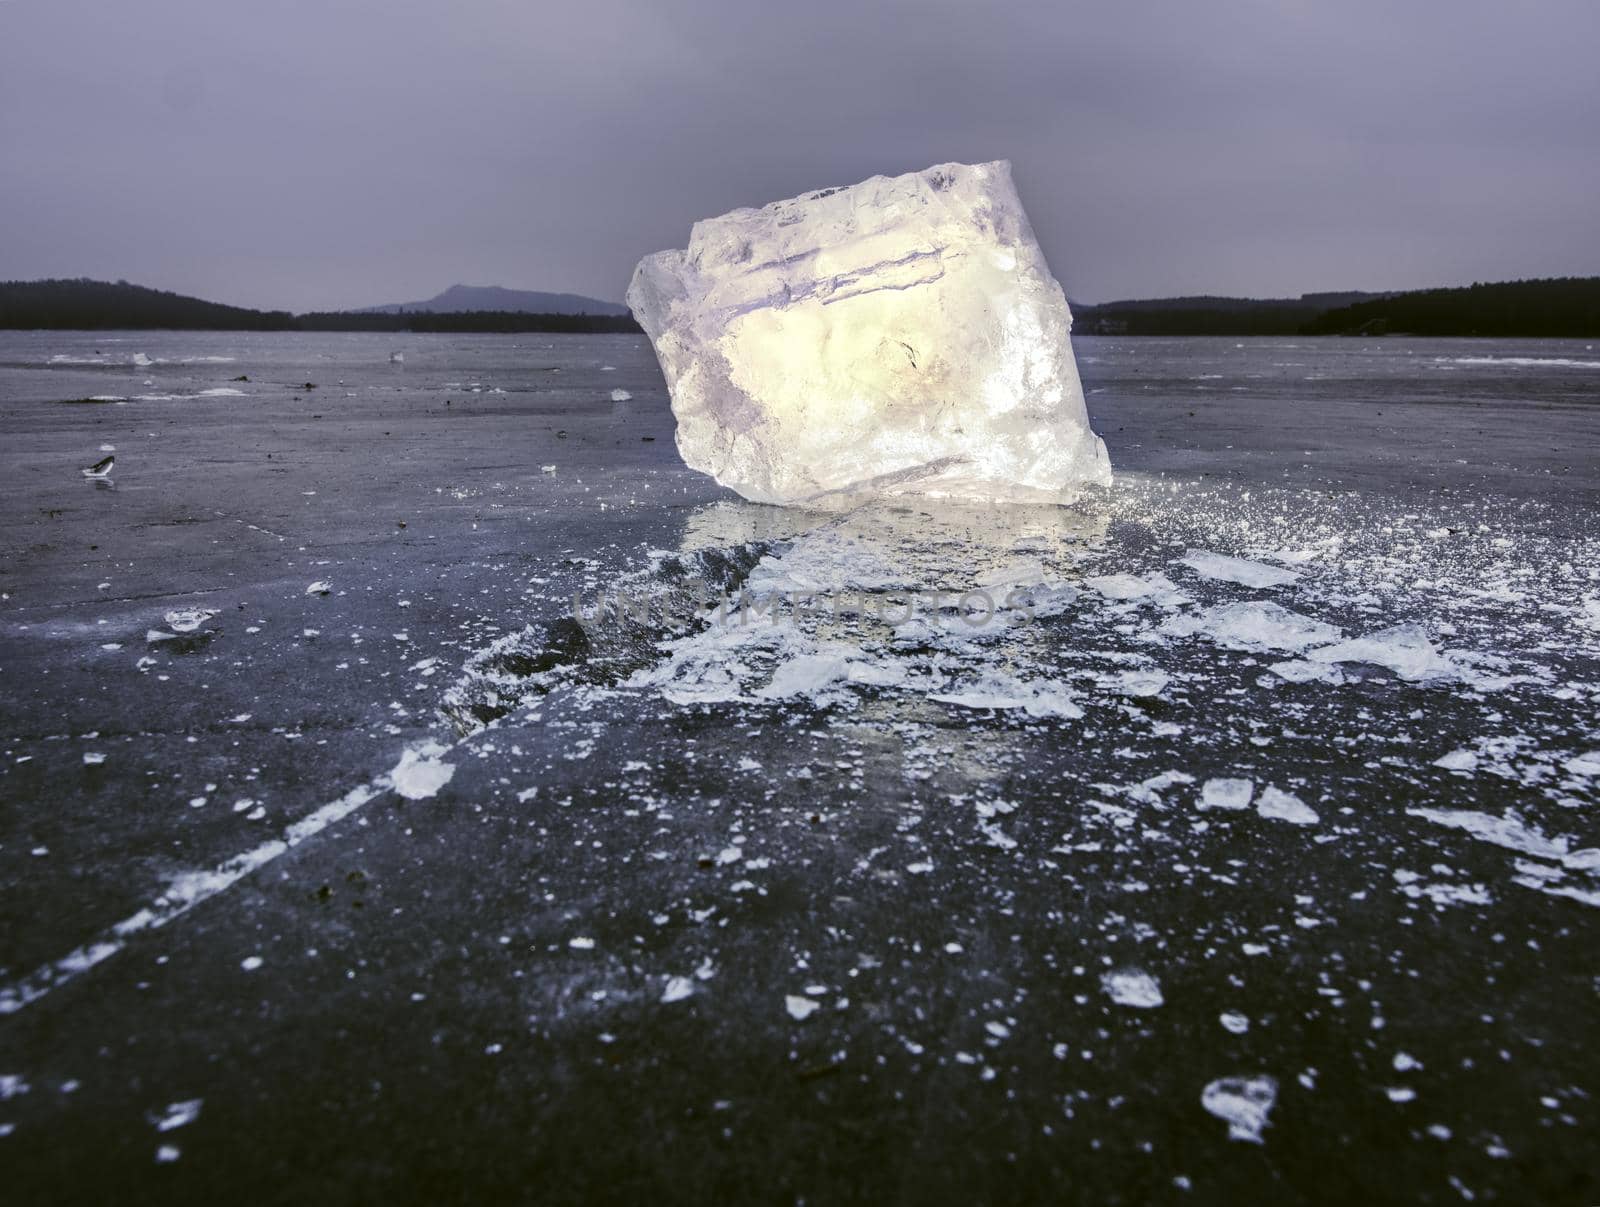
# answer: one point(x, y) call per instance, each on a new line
point(420, 774)
point(1236, 569)
point(1253, 627)
point(1243, 1103)
point(800, 1008)
point(1132, 987)
point(1285, 806)
point(1226, 793)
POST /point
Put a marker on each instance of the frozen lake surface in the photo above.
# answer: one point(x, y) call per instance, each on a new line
point(1229, 836)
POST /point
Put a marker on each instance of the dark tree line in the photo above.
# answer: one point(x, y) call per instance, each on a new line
point(101, 306)
point(1561, 307)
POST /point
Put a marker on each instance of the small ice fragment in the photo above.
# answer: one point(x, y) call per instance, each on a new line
point(1243, 1103)
point(919, 869)
point(1226, 793)
point(179, 1114)
point(1285, 806)
point(319, 588)
point(1404, 1062)
point(1400, 1093)
point(187, 620)
point(581, 943)
point(1132, 987)
point(549, 469)
point(678, 988)
point(1457, 760)
point(1236, 570)
point(800, 1008)
point(251, 963)
point(1586, 764)
point(93, 758)
point(167, 1154)
point(420, 773)
point(1233, 1021)
point(620, 396)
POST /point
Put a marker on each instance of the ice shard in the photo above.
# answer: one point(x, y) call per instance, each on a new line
point(903, 334)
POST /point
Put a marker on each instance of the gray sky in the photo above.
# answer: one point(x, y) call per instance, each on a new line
point(330, 153)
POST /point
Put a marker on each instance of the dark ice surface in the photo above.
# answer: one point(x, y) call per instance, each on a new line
point(887, 900)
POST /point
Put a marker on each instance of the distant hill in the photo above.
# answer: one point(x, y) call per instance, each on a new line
point(87, 305)
point(459, 299)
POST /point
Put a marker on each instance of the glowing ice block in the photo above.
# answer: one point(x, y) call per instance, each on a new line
point(903, 334)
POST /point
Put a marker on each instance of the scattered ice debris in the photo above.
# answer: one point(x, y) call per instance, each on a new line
point(921, 868)
point(420, 774)
point(178, 1114)
point(1132, 987)
point(1442, 893)
point(1253, 626)
point(620, 396)
point(1226, 793)
point(1285, 806)
point(187, 620)
point(319, 587)
point(678, 988)
point(1243, 1103)
point(1236, 570)
point(800, 1008)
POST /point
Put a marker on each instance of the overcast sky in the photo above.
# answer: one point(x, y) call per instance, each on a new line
point(329, 153)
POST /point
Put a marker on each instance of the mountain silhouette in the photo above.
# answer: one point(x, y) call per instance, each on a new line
point(459, 299)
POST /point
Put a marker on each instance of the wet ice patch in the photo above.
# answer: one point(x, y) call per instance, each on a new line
point(1243, 1103)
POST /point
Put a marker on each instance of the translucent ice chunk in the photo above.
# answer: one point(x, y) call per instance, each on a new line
point(901, 335)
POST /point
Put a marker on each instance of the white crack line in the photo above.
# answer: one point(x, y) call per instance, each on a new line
point(184, 893)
